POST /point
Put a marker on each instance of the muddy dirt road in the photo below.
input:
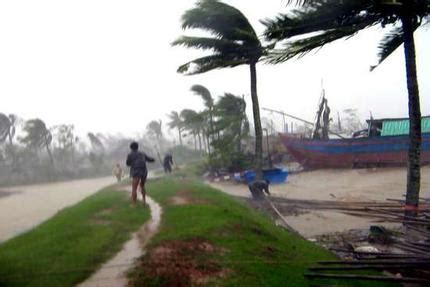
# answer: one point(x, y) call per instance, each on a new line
point(23, 207)
point(337, 185)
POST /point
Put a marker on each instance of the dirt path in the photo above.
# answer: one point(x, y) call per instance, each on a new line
point(336, 185)
point(23, 207)
point(112, 273)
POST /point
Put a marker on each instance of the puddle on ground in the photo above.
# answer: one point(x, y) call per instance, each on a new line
point(112, 273)
point(4, 193)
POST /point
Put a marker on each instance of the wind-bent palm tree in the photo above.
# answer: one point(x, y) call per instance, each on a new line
point(204, 93)
point(176, 123)
point(337, 19)
point(193, 122)
point(155, 128)
point(5, 126)
point(233, 42)
point(38, 136)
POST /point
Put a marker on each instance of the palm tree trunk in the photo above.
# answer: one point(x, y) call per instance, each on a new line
point(51, 158)
point(200, 141)
point(180, 136)
point(195, 141)
point(12, 151)
point(257, 123)
point(414, 172)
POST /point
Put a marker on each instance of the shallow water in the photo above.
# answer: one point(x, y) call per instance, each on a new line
point(112, 273)
point(23, 207)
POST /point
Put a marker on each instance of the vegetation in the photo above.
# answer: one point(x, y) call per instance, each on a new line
point(232, 124)
point(176, 123)
point(221, 242)
point(338, 19)
point(233, 42)
point(44, 153)
point(67, 248)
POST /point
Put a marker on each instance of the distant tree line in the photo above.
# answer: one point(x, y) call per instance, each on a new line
point(31, 151)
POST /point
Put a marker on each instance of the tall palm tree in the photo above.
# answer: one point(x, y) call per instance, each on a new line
point(193, 122)
point(208, 100)
point(5, 126)
point(338, 19)
point(204, 93)
point(38, 136)
point(176, 122)
point(155, 128)
point(233, 42)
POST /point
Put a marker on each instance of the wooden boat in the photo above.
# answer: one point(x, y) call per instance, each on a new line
point(382, 148)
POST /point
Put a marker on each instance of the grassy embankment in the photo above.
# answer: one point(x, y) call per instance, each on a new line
point(211, 239)
point(67, 248)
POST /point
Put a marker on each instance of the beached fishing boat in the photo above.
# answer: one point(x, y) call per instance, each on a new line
point(386, 144)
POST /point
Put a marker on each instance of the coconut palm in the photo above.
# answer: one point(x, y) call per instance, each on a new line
point(204, 93)
point(155, 128)
point(5, 126)
point(193, 122)
point(336, 19)
point(233, 42)
point(176, 123)
point(38, 136)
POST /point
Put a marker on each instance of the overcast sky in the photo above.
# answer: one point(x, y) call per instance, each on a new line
point(107, 66)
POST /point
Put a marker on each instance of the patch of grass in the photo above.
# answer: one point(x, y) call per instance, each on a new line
point(67, 248)
point(252, 250)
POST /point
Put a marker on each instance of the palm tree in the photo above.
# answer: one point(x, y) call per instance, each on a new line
point(193, 122)
point(338, 19)
point(155, 128)
point(5, 126)
point(176, 122)
point(38, 136)
point(204, 93)
point(233, 42)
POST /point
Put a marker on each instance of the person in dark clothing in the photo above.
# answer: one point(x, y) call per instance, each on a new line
point(136, 160)
point(167, 163)
point(258, 187)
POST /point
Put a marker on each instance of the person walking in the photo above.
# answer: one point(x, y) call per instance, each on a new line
point(167, 163)
point(136, 160)
point(117, 172)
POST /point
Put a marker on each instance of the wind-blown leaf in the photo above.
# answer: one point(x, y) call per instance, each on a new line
point(217, 45)
point(204, 64)
point(203, 92)
point(221, 20)
point(391, 41)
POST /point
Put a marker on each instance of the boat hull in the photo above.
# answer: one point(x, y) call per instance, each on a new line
point(358, 152)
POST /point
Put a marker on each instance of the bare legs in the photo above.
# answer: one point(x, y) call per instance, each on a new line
point(134, 185)
point(143, 191)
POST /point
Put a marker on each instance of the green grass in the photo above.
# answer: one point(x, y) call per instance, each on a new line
point(67, 248)
point(257, 253)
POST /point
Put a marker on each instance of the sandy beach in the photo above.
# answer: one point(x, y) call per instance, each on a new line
point(336, 185)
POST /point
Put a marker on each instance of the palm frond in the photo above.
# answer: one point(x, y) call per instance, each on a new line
point(221, 20)
point(203, 92)
point(301, 47)
point(322, 15)
point(204, 64)
point(389, 43)
point(215, 44)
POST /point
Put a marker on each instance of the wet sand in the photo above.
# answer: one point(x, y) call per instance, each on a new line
point(337, 185)
point(23, 207)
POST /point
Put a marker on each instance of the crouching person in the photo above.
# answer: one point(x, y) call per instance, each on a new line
point(258, 188)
